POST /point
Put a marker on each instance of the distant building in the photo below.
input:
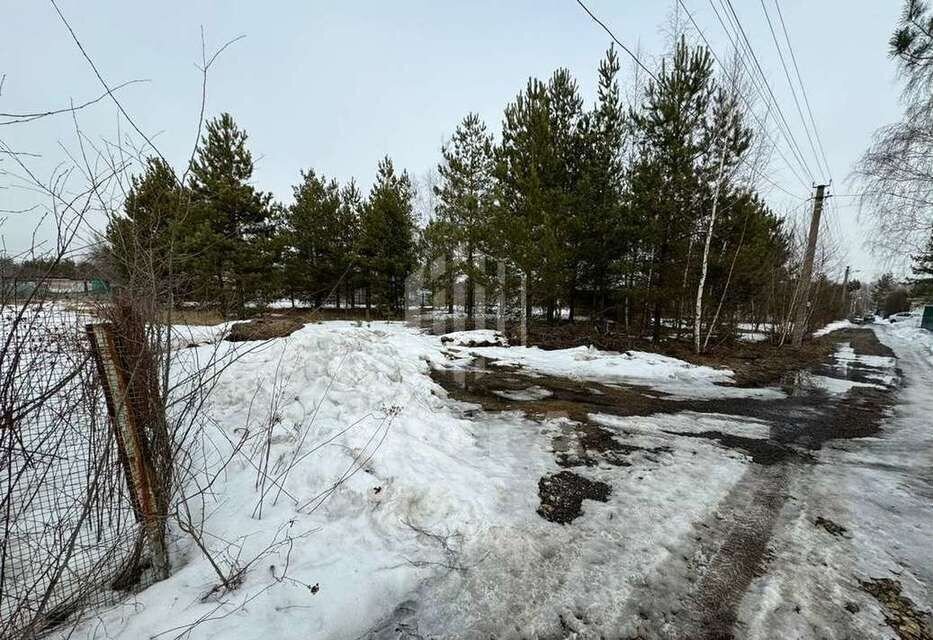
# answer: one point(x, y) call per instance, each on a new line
point(55, 287)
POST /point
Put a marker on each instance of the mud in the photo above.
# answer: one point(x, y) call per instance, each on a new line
point(803, 421)
point(265, 328)
point(900, 613)
point(831, 527)
point(562, 495)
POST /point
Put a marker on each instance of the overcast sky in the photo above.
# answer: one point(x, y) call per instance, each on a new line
point(337, 85)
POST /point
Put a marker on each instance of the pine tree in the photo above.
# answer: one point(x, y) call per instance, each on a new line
point(538, 174)
point(600, 231)
point(665, 187)
point(464, 195)
point(143, 242)
point(881, 288)
point(313, 265)
point(388, 247)
point(231, 239)
point(346, 256)
point(520, 220)
point(568, 144)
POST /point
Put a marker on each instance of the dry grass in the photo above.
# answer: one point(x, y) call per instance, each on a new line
point(203, 317)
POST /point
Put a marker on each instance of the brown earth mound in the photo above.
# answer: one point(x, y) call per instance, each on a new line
point(263, 329)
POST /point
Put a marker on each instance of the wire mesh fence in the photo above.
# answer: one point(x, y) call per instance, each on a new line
point(70, 535)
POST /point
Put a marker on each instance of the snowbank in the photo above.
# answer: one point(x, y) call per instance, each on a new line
point(475, 338)
point(833, 326)
point(909, 331)
point(662, 373)
point(385, 499)
point(369, 455)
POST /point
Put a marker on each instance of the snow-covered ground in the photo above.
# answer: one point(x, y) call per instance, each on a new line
point(833, 326)
point(662, 373)
point(389, 510)
point(386, 484)
point(881, 490)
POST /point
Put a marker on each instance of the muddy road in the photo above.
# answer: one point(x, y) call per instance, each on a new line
point(698, 592)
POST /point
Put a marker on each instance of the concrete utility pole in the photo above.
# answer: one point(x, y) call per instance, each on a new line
point(845, 294)
point(806, 271)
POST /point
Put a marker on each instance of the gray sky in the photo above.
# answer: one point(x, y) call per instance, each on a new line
point(337, 85)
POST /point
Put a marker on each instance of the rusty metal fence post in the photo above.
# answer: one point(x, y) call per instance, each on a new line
point(128, 377)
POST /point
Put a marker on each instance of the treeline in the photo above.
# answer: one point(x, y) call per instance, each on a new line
point(216, 239)
point(40, 268)
point(644, 213)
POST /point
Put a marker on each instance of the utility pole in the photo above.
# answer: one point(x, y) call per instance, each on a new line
point(845, 294)
point(806, 270)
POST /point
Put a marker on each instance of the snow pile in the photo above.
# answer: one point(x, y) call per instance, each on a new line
point(475, 338)
point(193, 335)
point(663, 373)
point(368, 462)
point(833, 326)
point(909, 331)
point(386, 506)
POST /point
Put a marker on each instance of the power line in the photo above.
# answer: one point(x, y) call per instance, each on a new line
point(751, 51)
point(778, 187)
point(748, 106)
point(616, 40)
point(790, 83)
point(738, 45)
point(803, 88)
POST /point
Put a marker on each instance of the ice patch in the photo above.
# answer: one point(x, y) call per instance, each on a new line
point(531, 393)
point(686, 422)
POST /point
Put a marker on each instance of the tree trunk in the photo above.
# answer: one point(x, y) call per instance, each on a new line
point(698, 313)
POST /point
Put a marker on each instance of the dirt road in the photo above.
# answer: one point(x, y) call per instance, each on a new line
point(826, 531)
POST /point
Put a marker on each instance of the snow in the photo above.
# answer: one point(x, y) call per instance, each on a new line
point(908, 332)
point(533, 392)
point(404, 438)
point(475, 338)
point(833, 326)
point(686, 422)
point(662, 373)
point(878, 489)
point(189, 335)
point(398, 499)
point(413, 515)
point(833, 386)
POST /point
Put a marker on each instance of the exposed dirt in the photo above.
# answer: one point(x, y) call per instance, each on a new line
point(900, 613)
point(754, 363)
point(562, 495)
point(830, 526)
point(803, 420)
point(265, 328)
point(474, 342)
point(588, 444)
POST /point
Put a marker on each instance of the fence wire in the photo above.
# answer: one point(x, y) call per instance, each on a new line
point(70, 536)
